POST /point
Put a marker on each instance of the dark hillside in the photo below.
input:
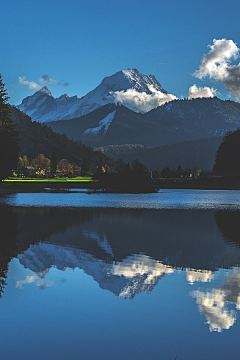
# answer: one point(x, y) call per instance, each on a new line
point(36, 138)
point(198, 153)
point(173, 122)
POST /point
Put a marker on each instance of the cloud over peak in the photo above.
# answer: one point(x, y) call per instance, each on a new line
point(141, 100)
point(46, 80)
point(32, 85)
point(43, 81)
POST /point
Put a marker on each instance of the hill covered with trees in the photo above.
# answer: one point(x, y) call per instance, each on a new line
point(198, 153)
point(36, 138)
point(173, 122)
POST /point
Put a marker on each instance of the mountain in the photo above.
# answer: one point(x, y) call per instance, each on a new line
point(110, 124)
point(176, 121)
point(123, 87)
point(36, 138)
point(124, 109)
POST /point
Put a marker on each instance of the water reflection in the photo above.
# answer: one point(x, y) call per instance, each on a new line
point(228, 222)
point(177, 238)
point(38, 279)
point(128, 251)
point(214, 304)
point(199, 276)
point(8, 242)
point(125, 279)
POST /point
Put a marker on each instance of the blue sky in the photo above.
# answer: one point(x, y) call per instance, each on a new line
point(78, 43)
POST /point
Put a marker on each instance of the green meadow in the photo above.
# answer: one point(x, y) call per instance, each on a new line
point(14, 185)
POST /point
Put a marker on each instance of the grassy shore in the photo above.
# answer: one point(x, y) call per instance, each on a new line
point(29, 185)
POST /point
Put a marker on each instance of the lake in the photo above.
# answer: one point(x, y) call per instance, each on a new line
point(120, 276)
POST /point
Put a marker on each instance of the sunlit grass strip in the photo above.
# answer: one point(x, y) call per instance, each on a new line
point(59, 180)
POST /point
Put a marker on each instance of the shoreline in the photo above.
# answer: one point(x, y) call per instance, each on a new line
point(36, 186)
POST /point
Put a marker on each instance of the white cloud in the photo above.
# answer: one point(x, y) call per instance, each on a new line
point(141, 265)
point(32, 85)
point(216, 65)
point(199, 276)
point(201, 92)
point(46, 80)
point(41, 283)
point(28, 280)
point(141, 272)
point(141, 101)
point(212, 305)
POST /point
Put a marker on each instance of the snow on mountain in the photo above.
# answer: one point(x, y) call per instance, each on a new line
point(126, 279)
point(136, 91)
point(103, 124)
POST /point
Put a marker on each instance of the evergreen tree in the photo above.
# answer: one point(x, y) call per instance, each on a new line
point(139, 167)
point(8, 136)
point(228, 154)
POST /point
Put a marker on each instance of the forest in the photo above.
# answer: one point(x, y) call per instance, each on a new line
point(36, 139)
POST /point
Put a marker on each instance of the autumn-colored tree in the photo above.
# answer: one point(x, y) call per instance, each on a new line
point(65, 167)
point(23, 162)
point(101, 169)
point(41, 162)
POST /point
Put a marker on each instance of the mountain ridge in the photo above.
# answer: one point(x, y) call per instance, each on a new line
point(119, 87)
point(177, 121)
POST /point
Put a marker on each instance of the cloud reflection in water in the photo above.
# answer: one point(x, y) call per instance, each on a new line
point(214, 304)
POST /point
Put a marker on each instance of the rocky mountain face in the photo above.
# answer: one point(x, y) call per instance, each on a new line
point(122, 87)
point(176, 121)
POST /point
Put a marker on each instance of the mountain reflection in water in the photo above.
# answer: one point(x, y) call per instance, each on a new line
point(128, 251)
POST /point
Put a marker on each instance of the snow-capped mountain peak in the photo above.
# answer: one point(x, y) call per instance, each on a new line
point(131, 79)
point(44, 90)
point(136, 91)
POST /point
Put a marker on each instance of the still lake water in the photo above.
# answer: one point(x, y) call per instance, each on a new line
point(120, 276)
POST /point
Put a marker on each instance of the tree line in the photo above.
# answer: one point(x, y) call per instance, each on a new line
point(42, 165)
